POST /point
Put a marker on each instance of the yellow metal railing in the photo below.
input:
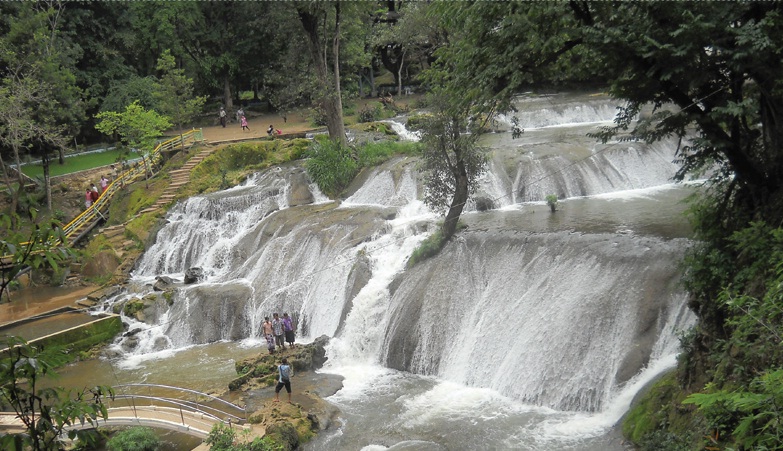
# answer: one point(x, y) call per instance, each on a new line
point(135, 172)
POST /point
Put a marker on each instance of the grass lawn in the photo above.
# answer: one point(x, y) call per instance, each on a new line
point(76, 163)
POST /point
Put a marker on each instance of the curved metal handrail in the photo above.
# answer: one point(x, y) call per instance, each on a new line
point(195, 392)
point(189, 406)
point(187, 390)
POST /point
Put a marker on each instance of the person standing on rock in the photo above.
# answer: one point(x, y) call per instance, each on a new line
point(288, 328)
point(278, 327)
point(268, 332)
point(284, 373)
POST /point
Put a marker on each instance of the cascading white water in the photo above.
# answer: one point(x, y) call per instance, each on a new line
point(527, 318)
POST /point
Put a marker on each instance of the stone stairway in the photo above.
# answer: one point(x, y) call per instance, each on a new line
point(125, 248)
point(179, 177)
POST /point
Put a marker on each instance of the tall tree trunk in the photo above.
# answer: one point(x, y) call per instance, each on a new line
point(338, 98)
point(458, 202)
point(399, 74)
point(329, 97)
point(47, 182)
point(227, 95)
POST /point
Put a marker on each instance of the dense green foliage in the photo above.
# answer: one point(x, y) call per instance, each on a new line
point(428, 248)
point(36, 248)
point(224, 438)
point(45, 412)
point(134, 439)
point(231, 164)
point(333, 166)
point(137, 127)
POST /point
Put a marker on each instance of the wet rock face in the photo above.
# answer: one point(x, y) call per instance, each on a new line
point(194, 275)
point(162, 283)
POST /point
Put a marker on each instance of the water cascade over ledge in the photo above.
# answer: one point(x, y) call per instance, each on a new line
point(567, 312)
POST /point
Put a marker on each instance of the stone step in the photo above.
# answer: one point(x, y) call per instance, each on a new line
point(149, 210)
point(113, 232)
point(86, 303)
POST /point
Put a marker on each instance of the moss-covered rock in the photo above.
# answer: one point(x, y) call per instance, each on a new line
point(283, 434)
point(80, 339)
point(261, 370)
point(660, 415)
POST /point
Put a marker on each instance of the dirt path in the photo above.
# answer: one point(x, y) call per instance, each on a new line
point(295, 123)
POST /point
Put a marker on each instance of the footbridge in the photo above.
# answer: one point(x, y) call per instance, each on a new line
point(158, 406)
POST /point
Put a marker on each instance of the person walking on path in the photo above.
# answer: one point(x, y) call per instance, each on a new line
point(94, 193)
point(284, 373)
point(222, 116)
point(104, 183)
point(271, 130)
point(288, 328)
point(88, 198)
point(268, 331)
point(243, 121)
point(277, 326)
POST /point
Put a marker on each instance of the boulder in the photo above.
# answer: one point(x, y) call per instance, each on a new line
point(162, 283)
point(194, 275)
point(484, 204)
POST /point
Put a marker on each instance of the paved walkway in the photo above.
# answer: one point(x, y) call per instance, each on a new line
point(169, 418)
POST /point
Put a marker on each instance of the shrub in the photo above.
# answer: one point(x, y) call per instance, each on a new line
point(134, 439)
point(317, 117)
point(551, 200)
point(370, 114)
point(428, 248)
point(331, 166)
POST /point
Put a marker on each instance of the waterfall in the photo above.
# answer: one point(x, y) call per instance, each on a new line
point(559, 320)
point(566, 312)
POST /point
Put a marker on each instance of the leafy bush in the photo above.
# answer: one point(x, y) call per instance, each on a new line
point(428, 248)
point(224, 438)
point(331, 166)
point(751, 417)
point(551, 200)
point(134, 439)
point(370, 114)
point(317, 117)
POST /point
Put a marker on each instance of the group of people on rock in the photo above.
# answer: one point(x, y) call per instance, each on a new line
point(278, 332)
point(92, 194)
